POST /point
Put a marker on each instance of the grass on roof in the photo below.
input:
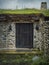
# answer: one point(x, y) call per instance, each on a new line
point(24, 11)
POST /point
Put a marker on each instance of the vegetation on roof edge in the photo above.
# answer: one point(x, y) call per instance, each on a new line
point(24, 11)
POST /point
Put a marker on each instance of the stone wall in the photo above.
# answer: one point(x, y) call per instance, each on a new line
point(37, 36)
point(7, 35)
point(46, 37)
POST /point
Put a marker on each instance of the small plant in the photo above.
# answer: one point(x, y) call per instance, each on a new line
point(41, 61)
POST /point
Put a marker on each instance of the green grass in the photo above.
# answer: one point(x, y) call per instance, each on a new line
point(19, 11)
point(18, 59)
point(24, 11)
point(14, 59)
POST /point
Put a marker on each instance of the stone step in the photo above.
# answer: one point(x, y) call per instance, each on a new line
point(21, 51)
